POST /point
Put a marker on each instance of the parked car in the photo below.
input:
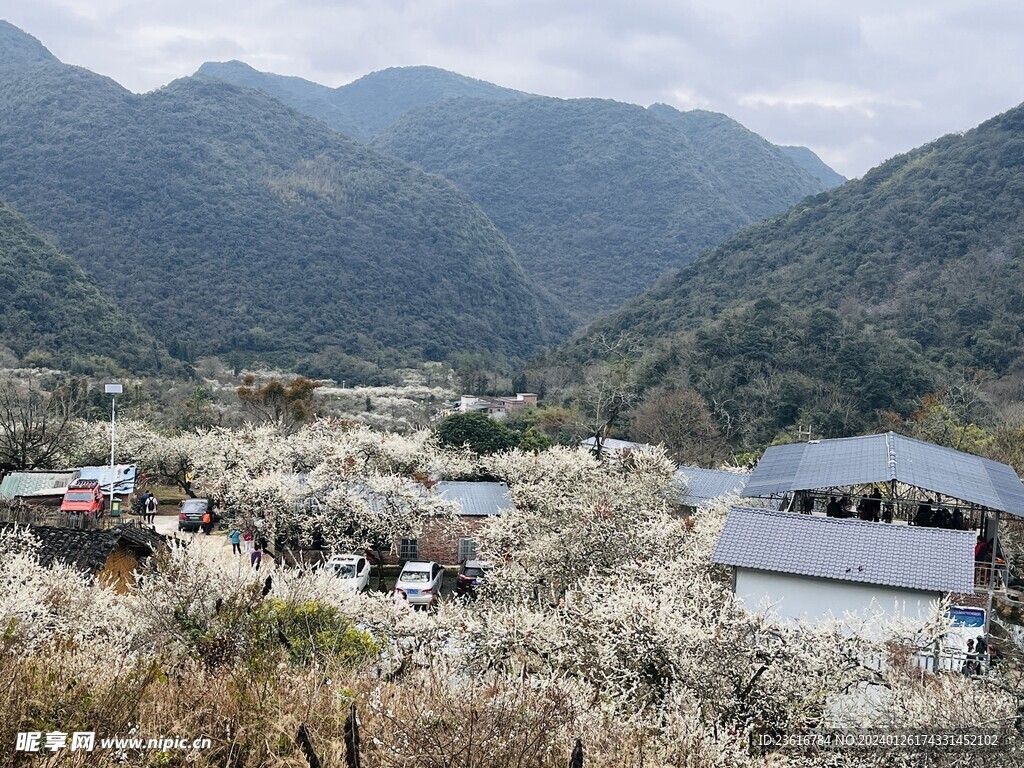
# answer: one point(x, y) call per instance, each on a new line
point(190, 516)
point(419, 583)
point(352, 570)
point(471, 576)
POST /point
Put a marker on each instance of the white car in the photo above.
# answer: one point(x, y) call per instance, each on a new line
point(352, 570)
point(420, 582)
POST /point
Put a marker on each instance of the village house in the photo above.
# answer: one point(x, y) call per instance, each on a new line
point(880, 524)
point(699, 487)
point(110, 556)
point(450, 544)
point(496, 407)
point(613, 449)
point(811, 568)
point(47, 487)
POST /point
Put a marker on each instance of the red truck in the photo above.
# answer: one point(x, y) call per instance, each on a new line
point(83, 497)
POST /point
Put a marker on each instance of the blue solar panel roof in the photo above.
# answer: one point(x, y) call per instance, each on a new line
point(881, 458)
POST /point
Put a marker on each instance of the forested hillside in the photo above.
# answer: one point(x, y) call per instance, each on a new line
point(598, 197)
point(230, 223)
point(53, 315)
point(860, 298)
point(813, 164)
point(368, 105)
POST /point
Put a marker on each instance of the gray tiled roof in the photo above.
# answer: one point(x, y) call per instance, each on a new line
point(932, 559)
point(700, 486)
point(476, 499)
point(881, 458)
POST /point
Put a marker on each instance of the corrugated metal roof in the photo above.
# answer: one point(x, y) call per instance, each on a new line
point(124, 473)
point(476, 499)
point(699, 486)
point(17, 484)
point(879, 458)
point(931, 559)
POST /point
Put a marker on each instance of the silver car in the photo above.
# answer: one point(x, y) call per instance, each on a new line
point(419, 583)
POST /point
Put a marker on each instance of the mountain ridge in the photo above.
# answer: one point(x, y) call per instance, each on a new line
point(257, 231)
point(920, 262)
point(598, 197)
point(367, 105)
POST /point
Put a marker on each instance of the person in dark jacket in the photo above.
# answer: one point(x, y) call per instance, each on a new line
point(982, 550)
point(956, 520)
point(924, 514)
point(832, 509)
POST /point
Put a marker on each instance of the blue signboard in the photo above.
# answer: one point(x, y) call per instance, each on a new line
point(967, 617)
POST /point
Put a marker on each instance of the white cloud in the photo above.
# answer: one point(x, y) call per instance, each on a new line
point(856, 82)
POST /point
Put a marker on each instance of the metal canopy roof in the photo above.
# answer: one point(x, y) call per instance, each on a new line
point(699, 486)
point(907, 556)
point(882, 458)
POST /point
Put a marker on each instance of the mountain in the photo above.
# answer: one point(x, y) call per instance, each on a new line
point(229, 223)
point(19, 50)
point(598, 197)
point(368, 105)
point(51, 312)
point(813, 164)
point(923, 258)
point(751, 169)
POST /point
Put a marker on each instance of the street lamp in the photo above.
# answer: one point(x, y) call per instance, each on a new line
point(113, 390)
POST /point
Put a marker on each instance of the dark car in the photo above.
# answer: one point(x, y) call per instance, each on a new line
point(471, 576)
point(190, 516)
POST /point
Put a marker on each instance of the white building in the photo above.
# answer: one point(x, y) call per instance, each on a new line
point(496, 407)
point(807, 567)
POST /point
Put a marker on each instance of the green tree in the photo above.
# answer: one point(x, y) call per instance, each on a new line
point(481, 433)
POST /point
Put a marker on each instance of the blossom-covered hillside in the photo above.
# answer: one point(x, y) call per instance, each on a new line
point(603, 626)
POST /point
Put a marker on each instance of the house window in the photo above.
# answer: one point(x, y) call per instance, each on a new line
point(467, 549)
point(409, 549)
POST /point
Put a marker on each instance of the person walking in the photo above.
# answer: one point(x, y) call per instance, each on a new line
point(256, 557)
point(142, 505)
point(152, 505)
point(235, 537)
point(207, 524)
point(247, 538)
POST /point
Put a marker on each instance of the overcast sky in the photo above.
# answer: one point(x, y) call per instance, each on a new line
point(856, 81)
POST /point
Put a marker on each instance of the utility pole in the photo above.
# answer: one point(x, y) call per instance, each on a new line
point(113, 390)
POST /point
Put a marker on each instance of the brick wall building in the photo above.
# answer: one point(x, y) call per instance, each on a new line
point(449, 544)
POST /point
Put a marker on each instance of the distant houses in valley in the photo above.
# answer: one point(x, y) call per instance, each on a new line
point(496, 407)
